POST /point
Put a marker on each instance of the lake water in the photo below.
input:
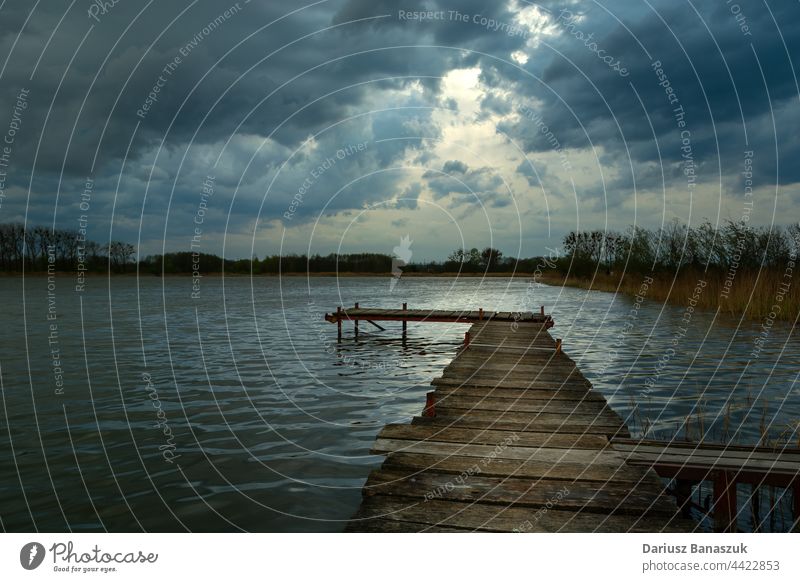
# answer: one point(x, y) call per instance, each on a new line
point(140, 407)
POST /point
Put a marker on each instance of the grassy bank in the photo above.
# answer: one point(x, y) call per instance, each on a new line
point(752, 295)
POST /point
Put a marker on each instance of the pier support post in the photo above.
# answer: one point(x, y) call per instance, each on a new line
point(430, 405)
point(542, 310)
point(480, 313)
point(339, 323)
point(683, 496)
point(466, 339)
point(405, 323)
point(355, 322)
point(558, 345)
point(724, 502)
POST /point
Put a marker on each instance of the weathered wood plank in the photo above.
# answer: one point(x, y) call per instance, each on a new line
point(533, 395)
point(702, 461)
point(603, 418)
point(537, 425)
point(378, 525)
point(704, 450)
point(500, 450)
point(610, 498)
point(511, 373)
point(534, 470)
point(485, 517)
point(491, 437)
point(506, 370)
point(471, 403)
point(565, 386)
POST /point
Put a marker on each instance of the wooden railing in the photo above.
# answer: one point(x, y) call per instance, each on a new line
point(723, 465)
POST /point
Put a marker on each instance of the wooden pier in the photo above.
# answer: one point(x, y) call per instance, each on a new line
point(405, 315)
point(512, 438)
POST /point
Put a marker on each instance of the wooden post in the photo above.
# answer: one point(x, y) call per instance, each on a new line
point(466, 339)
point(542, 310)
point(405, 323)
point(355, 322)
point(558, 345)
point(339, 322)
point(683, 495)
point(430, 405)
point(755, 506)
point(724, 502)
point(480, 313)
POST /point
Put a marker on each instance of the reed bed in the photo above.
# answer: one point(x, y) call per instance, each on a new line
point(754, 295)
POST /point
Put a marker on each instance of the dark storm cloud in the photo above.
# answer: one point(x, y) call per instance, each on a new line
point(135, 79)
point(245, 89)
point(708, 62)
point(468, 187)
point(136, 84)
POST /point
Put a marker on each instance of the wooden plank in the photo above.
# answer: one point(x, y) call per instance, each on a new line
point(480, 346)
point(492, 355)
point(486, 342)
point(489, 376)
point(529, 360)
point(378, 525)
point(521, 362)
point(530, 329)
point(486, 517)
point(711, 463)
point(534, 470)
point(711, 450)
point(604, 418)
point(467, 367)
point(471, 403)
point(513, 370)
point(491, 437)
point(537, 425)
point(529, 384)
point(611, 498)
point(533, 395)
point(499, 451)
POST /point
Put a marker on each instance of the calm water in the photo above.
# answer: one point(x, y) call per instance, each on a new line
point(237, 410)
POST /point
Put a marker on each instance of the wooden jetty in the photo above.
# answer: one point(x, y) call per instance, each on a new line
point(371, 315)
point(513, 438)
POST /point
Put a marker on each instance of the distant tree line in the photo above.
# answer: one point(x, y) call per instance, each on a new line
point(673, 248)
point(677, 247)
point(66, 250)
point(35, 248)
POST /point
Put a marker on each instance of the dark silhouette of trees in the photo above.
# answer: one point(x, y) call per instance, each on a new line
point(675, 247)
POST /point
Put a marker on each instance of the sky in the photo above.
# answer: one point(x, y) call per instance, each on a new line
point(260, 128)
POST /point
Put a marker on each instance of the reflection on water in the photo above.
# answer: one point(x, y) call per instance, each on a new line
point(238, 410)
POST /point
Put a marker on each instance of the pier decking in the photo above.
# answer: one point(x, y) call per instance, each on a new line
point(371, 315)
point(512, 438)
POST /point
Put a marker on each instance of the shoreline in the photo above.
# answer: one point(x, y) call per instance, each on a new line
point(754, 297)
point(445, 275)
